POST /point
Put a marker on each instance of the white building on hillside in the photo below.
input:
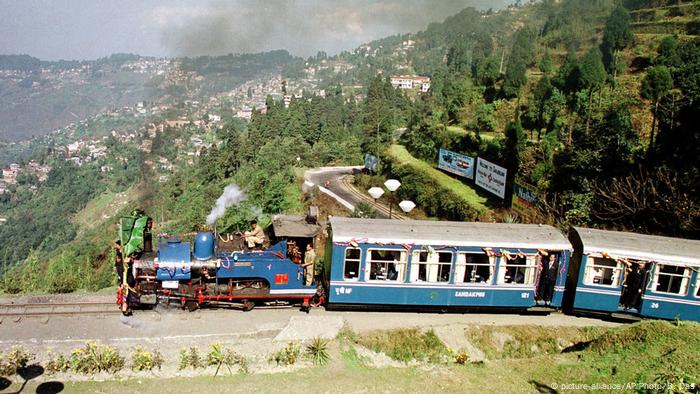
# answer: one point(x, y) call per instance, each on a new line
point(411, 82)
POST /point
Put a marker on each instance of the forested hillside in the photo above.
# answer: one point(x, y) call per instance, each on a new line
point(592, 102)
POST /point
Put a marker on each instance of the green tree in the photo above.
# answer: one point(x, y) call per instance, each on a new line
point(667, 53)
point(378, 117)
point(656, 84)
point(678, 141)
point(592, 76)
point(521, 57)
point(515, 77)
point(540, 99)
point(617, 36)
point(568, 77)
point(486, 71)
point(546, 65)
point(513, 154)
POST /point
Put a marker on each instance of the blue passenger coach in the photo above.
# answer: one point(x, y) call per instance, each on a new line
point(634, 274)
point(445, 264)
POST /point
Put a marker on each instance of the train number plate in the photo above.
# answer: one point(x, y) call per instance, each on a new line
point(170, 284)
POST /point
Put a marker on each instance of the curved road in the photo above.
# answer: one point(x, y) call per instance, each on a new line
point(337, 183)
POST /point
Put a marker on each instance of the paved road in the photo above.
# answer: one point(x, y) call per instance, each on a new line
point(337, 182)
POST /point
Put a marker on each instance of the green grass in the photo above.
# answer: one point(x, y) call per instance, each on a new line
point(106, 203)
point(646, 352)
point(406, 345)
point(456, 131)
point(526, 341)
point(463, 191)
point(351, 359)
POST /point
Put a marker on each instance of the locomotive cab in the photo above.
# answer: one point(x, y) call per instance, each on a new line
point(297, 232)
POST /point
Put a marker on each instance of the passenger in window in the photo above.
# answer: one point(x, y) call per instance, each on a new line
point(548, 277)
point(519, 277)
point(445, 275)
point(633, 287)
point(393, 273)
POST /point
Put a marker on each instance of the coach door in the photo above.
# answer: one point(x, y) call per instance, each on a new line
point(636, 275)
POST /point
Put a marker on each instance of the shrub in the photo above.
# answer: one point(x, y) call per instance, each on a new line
point(287, 355)
point(193, 358)
point(433, 197)
point(17, 358)
point(96, 358)
point(57, 364)
point(364, 210)
point(317, 351)
point(183, 359)
point(461, 358)
point(218, 356)
point(190, 358)
point(144, 360)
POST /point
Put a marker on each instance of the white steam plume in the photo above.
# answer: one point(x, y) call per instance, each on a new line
point(232, 195)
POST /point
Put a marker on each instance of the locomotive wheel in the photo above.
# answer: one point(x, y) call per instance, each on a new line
point(248, 305)
point(191, 306)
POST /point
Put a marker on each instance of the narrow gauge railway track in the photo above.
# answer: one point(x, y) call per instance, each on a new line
point(66, 309)
point(347, 182)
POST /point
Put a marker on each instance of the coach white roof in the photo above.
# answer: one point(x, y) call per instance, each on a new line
point(423, 232)
point(640, 246)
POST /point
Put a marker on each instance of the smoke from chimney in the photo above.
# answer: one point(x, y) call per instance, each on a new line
point(232, 195)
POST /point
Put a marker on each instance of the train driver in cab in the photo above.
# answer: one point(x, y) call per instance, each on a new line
point(254, 237)
point(309, 262)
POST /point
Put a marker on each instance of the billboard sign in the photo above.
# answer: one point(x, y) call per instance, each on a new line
point(456, 163)
point(525, 197)
point(491, 177)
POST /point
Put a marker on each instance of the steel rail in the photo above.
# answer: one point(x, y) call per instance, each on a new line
point(350, 188)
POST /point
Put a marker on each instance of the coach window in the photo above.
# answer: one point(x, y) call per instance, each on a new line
point(431, 267)
point(444, 262)
point(602, 271)
point(518, 270)
point(387, 265)
point(419, 266)
point(671, 279)
point(474, 268)
point(697, 286)
point(352, 263)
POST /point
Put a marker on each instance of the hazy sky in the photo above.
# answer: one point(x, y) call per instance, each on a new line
point(89, 29)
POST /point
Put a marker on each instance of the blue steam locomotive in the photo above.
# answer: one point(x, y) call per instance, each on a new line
point(210, 272)
point(431, 265)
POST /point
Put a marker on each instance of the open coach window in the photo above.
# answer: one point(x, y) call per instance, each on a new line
point(352, 263)
point(518, 270)
point(602, 271)
point(431, 267)
point(474, 268)
point(387, 265)
point(671, 279)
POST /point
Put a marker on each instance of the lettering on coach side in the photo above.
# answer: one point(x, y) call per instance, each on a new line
point(470, 294)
